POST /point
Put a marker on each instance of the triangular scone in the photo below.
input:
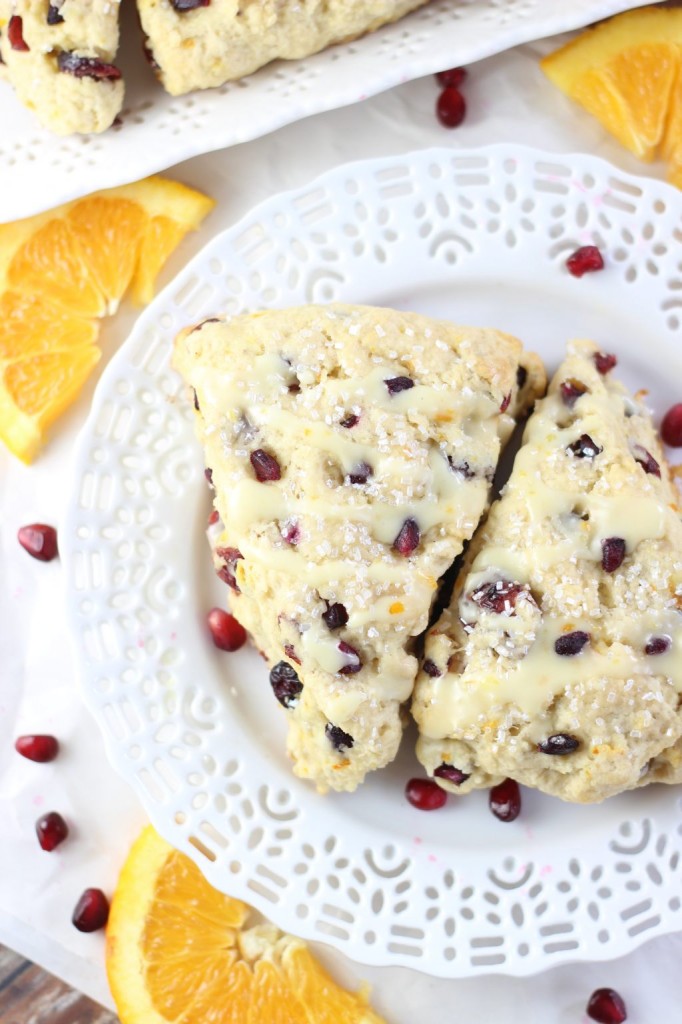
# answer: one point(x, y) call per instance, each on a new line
point(351, 451)
point(58, 56)
point(559, 660)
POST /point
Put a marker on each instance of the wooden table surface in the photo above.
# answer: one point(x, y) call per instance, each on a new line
point(28, 995)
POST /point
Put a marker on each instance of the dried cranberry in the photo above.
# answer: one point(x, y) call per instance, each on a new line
point(584, 448)
point(505, 800)
point(604, 361)
point(335, 616)
point(291, 533)
point(499, 597)
point(571, 390)
point(349, 421)
point(214, 517)
point(451, 107)
point(606, 1007)
point(505, 402)
point(265, 466)
point(208, 473)
point(196, 400)
point(339, 739)
point(361, 474)
point(51, 830)
point(155, 66)
point(612, 553)
point(227, 576)
point(54, 16)
point(671, 427)
point(585, 260)
point(15, 33)
point(521, 376)
point(189, 5)
point(451, 774)
point(431, 668)
point(227, 633)
point(231, 555)
point(39, 540)
point(91, 912)
point(87, 67)
point(560, 743)
point(453, 77)
point(425, 794)
point(396, 384)
point(571, 644)
point(290, 652)
point(354, 664)
point(658, 645)
point(40, 748)
point(408, 539)
point(285, 683)
point(646, 460)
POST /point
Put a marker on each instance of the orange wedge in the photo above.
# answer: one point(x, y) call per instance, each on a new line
point(179, 951)
point(627, 72)
point(63, 270)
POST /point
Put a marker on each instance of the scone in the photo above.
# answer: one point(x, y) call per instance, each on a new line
point(559, 660)
point(351, 450)
point(58, 56)
point(197, 44)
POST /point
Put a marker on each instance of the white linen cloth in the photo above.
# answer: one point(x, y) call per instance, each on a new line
point(509, 100)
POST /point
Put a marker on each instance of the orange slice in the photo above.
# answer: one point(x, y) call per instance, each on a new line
point(179, 951)
point(62, 270)
point(627, 72)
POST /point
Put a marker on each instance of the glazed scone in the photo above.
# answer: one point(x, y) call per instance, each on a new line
point(197, 44)
point(59, 58)
point(559, 660)
point(351, 451)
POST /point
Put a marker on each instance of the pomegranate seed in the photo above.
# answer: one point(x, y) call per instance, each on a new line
point(505, 800)
point(585, 260)
point(87, 67)
point(39, 540)
point(189, 5)
point(425, 794)
point(214, 517)
point(571, 644)
point(15, 33)
point(291, 533)
point(339, 739)
point(285, 683)
point(53, 15)
point(91, 912)
point(584, 448)
point(451, 774)
point(451, 107)
point(453, 77)
point(671, 427)
point(606, 1007)
point(431, 669)
point(571, 390)
point(505, 402)
point(290, 652)
point(360, 474)
point(51, 830)
point(560, 743)
point(227, 633)
point(396, 384)
point(646, 460)
point(408, 539)
point(658, 645)
point(37, 748)
point(613, 553)
point(499, 597)
point(604, 361)
point(355, 662)
point(349, 421)
point(265, 466)
point(335, 616)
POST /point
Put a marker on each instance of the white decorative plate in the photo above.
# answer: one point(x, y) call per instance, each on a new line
point(480, 237)
point(39, 170)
